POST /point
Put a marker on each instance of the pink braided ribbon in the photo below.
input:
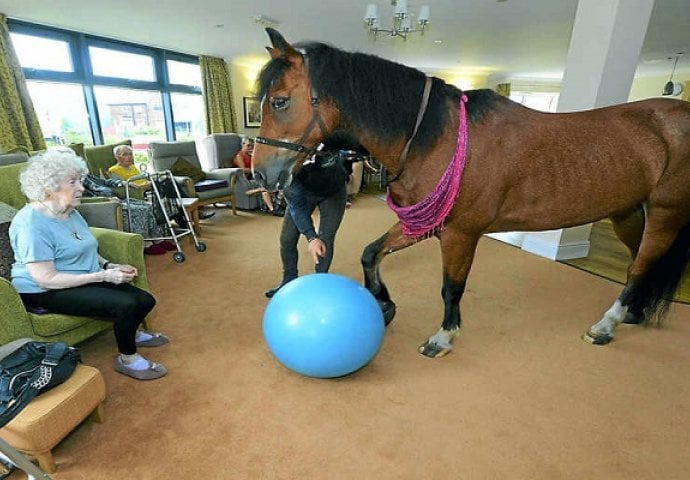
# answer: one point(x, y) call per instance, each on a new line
point(426, 217)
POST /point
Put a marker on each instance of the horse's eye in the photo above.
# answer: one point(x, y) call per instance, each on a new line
point(280, 103)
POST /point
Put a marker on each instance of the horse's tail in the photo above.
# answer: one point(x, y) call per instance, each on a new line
point(654, 293)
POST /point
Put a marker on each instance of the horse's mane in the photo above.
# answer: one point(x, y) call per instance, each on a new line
point(378, 95)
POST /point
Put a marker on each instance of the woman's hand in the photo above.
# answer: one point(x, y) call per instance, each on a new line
point(316, 249)
point(128, 269)
point(117, 276)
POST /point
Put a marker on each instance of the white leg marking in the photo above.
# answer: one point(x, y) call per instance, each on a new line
point(443, 338)
point(611, 319)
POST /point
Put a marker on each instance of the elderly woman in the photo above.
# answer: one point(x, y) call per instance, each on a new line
point(57, 266)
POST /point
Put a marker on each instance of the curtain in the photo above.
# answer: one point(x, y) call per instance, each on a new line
point(19, 127)
point(686, 91)
point(503, 89)
point(218, 99)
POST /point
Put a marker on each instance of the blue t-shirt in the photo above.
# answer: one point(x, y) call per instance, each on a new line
point(36, 237)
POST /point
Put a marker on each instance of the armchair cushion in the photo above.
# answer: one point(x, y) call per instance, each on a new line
point(183, 168)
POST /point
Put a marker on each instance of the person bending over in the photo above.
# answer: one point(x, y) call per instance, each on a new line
point(57, 266)
point(320, 183)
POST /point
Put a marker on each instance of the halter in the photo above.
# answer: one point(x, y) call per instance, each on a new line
point(315, 120)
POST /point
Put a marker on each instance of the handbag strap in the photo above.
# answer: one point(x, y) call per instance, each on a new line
point(39, 379)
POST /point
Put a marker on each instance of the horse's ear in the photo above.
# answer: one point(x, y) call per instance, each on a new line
point(274, 53)
point(281, 48)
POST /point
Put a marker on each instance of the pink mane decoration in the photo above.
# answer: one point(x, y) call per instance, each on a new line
point(426, 217)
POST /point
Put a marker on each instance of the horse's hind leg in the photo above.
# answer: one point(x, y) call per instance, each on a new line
point(373, 254)
point(654, 274)
point(458, 254)
point(629, 227)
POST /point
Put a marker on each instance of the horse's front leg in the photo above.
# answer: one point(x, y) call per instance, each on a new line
point(390, 242)
point(458, 252)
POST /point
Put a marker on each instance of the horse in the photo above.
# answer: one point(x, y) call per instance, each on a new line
point(466, 163)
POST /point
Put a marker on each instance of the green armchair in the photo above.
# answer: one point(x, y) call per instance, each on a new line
point(16, 322)
point(100, 158)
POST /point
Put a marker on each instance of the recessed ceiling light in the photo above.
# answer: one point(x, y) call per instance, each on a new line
point(438, 41)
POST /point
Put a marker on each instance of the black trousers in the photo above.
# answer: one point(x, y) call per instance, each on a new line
point(331, 211)
point(124, 304)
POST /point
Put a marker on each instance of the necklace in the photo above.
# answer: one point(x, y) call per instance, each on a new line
point(70, 226)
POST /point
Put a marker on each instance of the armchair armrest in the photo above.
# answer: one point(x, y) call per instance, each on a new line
point(14, 323)
point(123, 248)
point(186, 185)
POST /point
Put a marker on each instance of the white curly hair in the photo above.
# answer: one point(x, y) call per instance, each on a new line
point(44, 172)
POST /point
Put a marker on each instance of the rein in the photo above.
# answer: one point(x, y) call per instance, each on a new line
point(420, 115)
point(315, 120)
point(426, 217)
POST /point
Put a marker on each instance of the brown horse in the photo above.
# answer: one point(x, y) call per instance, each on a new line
point(468, 163)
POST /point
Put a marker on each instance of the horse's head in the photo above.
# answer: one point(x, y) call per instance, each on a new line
point(294, 119)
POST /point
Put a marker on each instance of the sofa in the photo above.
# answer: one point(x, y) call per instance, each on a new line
point(220, 149)
point(15, 320)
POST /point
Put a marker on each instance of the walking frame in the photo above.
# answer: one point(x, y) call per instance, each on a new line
point(165, 192)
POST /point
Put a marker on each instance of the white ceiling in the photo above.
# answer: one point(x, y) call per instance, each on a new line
point(513, 38)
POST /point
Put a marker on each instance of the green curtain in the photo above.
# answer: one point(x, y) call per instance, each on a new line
point(218, 99)
point(19, 127)
point(503, 89)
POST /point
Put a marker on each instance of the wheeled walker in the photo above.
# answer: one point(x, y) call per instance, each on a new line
point(168, 209)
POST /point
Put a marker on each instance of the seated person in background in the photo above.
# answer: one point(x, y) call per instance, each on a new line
point(243, 160)
point(137, 212)
point(57, 266)
point(125, 169)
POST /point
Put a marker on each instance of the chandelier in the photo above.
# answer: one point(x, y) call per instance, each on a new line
point(402, 23)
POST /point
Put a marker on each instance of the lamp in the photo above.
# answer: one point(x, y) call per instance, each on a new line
point(402, 23)
point(671, 87)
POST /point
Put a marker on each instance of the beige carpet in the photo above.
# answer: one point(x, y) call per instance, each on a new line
point(521, 397)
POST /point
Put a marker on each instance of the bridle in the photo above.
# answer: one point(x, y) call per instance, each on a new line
point(316, 120)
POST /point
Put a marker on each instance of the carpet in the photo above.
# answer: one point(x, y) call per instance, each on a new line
point(520, 397)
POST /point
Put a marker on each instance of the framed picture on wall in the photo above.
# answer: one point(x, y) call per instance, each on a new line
point(252, 112)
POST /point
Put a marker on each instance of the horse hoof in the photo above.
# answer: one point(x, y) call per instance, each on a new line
point(388, 309)
point(597, 338)
point(434, 350)
point(633, 318)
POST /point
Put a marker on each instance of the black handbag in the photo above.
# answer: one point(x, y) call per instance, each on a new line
point(29, 368)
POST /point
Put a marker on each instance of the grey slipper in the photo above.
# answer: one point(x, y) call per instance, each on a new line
point(157, 339)
point(155, 370)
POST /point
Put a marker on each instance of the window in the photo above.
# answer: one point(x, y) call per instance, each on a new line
point(118, 64)
point(120, 91)
point(544, 101)
point(42, 53)
point(184, 73)
point(134, 114)
point(61, 112)
point(189, 116)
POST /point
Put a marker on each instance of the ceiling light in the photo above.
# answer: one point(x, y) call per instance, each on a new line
point(265, 21)
point(402, 23)
point(671, 87)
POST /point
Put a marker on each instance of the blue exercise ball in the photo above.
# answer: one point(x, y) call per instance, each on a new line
point(323, 325)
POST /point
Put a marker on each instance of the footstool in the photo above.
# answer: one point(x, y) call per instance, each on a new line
point(50, 417)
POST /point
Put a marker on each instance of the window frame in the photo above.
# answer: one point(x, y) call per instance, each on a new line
point(79, 44)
